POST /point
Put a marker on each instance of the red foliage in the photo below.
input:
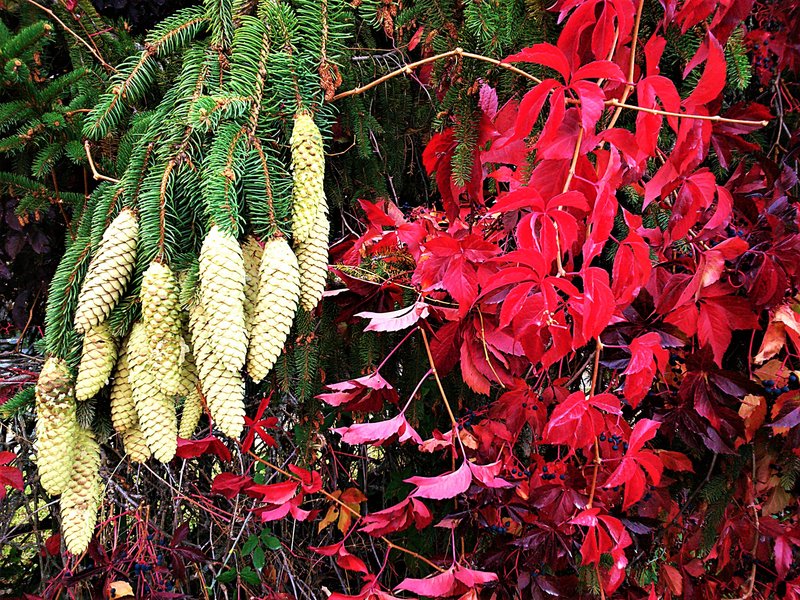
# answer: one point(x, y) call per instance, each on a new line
point(621, 345)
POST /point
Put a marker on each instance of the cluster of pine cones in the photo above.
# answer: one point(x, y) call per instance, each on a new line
point(239, 318)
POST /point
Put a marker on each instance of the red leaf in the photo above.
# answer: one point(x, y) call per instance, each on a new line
point(712, 81)
point(367, 393)
point(228, 484)
point(456, 580)
point(451, 264)
point(379, 432)
point(577, 421)
point(395, 320)
point(544, 54)
point(444, 486)
point(631, 268)
point(718, 317)
point(397, 518)
point(274, 493)
point(647, 355)
point(783, 556)
point(208, 445)
point(10, 476)
point(344, 558)
point(310, 480)
point(531, 107)
point(487, 475)
point(630, 471)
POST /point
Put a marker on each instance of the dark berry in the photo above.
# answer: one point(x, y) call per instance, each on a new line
point(602, 437)
point(544, 469)
point(769, 383)
point(562, 477)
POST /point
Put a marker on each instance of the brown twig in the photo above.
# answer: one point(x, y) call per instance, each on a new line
point(98, 176)
point(666, 113)
point(411, 66)
point(89, 47)
point(619, 104)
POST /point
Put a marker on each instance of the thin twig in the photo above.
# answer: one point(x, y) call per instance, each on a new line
point(666, 113)
point(407, 69)
point(98, 176)
point(453, 420)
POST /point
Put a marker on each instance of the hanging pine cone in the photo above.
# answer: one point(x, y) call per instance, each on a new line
point(97, 361)
point(312, 258)
point(278, 294)
point(82, 496)
point(135, 445)
point(222, 282)
point(161, 318)
point(56, 425)
point(252, 253)
point(224, 393)
point(192, 403)
point(308, 174)
point(155, 410)
point(109, 272)
point(123, 410)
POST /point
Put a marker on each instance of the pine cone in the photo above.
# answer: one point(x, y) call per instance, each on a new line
point(161, 318)
point(224, 393)
point(81, 498)
point(109, 272)
point(308, 174)
point(156, 410)
point(56, 425)
point(97, 361)
point(312, 258)
point(252, 253)
point(136, 445)
point(192, 403)
point(222, 282)
point(123, 410)
point(278, 293)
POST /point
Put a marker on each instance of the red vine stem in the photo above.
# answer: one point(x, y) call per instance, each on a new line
point(343, 505)
point(631, 65)
point(597, 461)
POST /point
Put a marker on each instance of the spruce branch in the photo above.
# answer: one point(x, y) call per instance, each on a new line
point(89, 47)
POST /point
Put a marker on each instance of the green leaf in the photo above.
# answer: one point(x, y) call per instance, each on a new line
point(272, 543)
point(249, 576)
point(227, 576)
point(249, 545)
point(258, 558)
